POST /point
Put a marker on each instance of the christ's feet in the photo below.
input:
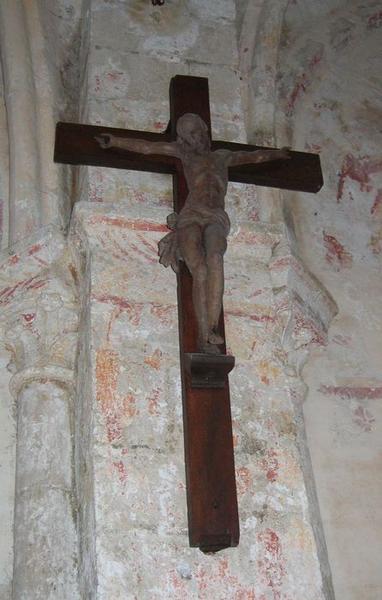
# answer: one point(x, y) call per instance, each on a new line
point(211, 346)
point(210, 349)
point(215, 338)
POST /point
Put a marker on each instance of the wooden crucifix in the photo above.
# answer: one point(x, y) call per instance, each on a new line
point(211, 491)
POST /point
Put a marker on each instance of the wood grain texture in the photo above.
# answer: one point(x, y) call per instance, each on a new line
point(210, 472)
point(76, 145)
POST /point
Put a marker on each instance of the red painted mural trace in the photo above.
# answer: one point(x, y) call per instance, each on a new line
point(377, 204)
point(357, 169)
point(336, 254)
point(272, 565)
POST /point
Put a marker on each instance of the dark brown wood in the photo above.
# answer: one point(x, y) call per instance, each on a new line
point(76, 145)
point(213, 520)
point(208, 370)
point(302, 173)
point(209, 457)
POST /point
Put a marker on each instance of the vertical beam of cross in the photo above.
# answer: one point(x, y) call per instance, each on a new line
point(211, 489)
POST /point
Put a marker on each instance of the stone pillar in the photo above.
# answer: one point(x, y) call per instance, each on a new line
point(37, 91)
point(41, 339)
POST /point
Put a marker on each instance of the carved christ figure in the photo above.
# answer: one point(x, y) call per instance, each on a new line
point(199, 232)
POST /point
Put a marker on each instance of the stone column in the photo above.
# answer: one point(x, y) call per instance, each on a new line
point(42, 340)
point(37, 92)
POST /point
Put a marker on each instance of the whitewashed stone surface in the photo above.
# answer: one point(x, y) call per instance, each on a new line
point(330, 102)
point(137, 455)
point(291, 73)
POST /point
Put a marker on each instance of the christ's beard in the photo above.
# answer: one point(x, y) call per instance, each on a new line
point(200, 147)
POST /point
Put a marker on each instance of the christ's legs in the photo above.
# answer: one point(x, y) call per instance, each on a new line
point(215, 243)
point(190, 242)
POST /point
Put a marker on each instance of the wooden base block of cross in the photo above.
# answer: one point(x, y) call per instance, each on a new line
point(210, 474)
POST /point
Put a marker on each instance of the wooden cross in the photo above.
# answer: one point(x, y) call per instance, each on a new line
point(211, 491)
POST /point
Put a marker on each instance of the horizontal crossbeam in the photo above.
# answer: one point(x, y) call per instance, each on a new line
point(76, 145)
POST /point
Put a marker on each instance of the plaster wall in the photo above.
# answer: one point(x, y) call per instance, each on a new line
point(40, 69)
point(330, 102)
point(128, 504)
point(7, 420)
point(132, 488)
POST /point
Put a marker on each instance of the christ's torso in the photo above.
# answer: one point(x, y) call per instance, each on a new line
point(207, 178)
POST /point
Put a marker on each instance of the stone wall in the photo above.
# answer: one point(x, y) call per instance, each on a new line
point(330, 102)
point(89, 318)
point(129, 430)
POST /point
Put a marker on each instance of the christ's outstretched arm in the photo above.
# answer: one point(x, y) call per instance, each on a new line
point(257, 156)
point(106, 140)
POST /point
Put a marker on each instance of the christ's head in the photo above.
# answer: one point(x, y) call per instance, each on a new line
point(193, 132)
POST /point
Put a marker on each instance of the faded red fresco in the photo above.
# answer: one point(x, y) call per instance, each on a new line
point(134, 310)
point(363, 418)
point(375, 20)
point(356, 393)
point(115, 408)
point(243, 480)
point(123, 251)
point(7, 294)
point(14, 259)
point(284, 262)
point(219, 575)
point(153, 401)
point(377, 204)
point(336, 254)
point(120, 468)
point(96, 191)
point(357, 169)
point(313, 147)
point(254, 238)
point(208, 581)
point(302, 82)
point(272, 563)
point(160, 125)
point(253, 317)
point(107, 371)
point(342, 340)
point(134, 224)
point(114, 76)
point(128, 406)
point(270, 464)
point(302, 322)
point(267, 371)
point(35, 248)
point(29, 317)
point(164, 312)
point(148, 256)
point(154, 360)
point(376, 242)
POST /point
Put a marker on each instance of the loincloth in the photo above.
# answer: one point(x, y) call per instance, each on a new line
point(203, 216)
point(168, 247)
